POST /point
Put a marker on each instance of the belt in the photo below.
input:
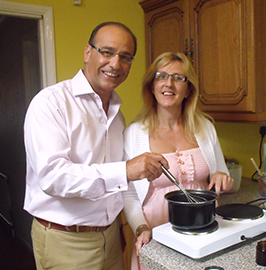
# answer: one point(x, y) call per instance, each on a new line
point(73, 228)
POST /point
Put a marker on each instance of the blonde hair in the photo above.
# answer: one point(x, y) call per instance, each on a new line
point(191, 116)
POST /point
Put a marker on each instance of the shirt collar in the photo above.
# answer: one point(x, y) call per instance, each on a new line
point(81, 86)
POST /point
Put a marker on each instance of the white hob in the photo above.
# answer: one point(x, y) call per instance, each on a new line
point(229, 233)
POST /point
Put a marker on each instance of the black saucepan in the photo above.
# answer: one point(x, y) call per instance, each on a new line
point(185, 215)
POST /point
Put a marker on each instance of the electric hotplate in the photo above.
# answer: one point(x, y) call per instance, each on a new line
point(229, 232)
point(201, 231)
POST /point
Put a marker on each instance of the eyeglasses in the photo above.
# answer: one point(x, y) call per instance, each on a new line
point(175, 77)
point(126, 58)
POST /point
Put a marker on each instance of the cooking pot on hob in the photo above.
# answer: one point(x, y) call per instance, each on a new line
point(186, 215)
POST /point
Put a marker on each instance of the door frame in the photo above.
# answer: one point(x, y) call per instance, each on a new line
point(44, 15)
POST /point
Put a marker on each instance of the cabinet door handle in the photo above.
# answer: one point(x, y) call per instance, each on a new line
point(186, 48)
point(189, 50)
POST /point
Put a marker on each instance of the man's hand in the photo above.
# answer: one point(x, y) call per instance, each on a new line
point(147, 165)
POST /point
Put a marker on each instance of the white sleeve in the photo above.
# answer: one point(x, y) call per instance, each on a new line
point(132, 205)
point(132, 208)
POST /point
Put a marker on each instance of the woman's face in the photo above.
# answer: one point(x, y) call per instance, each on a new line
point(170, 93)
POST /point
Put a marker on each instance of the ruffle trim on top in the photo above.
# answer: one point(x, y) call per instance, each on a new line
point(186, 167)
point(183, 168)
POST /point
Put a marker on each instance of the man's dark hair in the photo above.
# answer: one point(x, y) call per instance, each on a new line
point(97, 28)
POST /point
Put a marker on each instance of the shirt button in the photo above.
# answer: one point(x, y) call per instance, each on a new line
point(181, 162)
point(183, 172)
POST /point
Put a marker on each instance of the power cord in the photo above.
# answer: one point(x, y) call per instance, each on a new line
point(263, 134)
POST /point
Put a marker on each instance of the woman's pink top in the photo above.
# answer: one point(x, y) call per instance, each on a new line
point(191, 171)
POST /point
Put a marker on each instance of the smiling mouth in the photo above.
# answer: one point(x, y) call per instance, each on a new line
point(168, 94)
point(109, 74)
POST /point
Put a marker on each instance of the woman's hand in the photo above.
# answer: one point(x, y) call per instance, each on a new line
point(221, 181)
point(143, 238)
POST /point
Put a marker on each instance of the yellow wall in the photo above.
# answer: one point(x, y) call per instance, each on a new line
point(73, 25)
point(72, 28)
point(240, 141)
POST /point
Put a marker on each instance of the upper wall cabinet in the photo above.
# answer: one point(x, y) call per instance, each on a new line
point(225, 41)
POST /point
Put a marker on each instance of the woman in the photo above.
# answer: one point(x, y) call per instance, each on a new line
point(170, 123)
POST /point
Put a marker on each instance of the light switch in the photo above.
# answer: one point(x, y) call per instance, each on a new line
point(76, 2)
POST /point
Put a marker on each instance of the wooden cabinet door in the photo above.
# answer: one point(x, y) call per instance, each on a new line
point(220, 36)
point(230, 44)
point(225, 40)
point(166, 23)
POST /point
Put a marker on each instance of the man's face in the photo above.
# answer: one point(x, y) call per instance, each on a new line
point(105, 74)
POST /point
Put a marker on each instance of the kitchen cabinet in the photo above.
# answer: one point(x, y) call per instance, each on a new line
point(225, 41)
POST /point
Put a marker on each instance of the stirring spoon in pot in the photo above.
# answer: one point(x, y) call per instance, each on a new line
point(190, 198)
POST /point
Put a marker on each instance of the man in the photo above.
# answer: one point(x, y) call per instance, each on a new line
point(74, 148)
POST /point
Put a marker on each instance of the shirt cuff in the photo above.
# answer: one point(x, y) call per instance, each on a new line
point(115, 176)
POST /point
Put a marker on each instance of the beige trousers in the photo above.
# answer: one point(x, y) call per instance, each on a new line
point(59, 250)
